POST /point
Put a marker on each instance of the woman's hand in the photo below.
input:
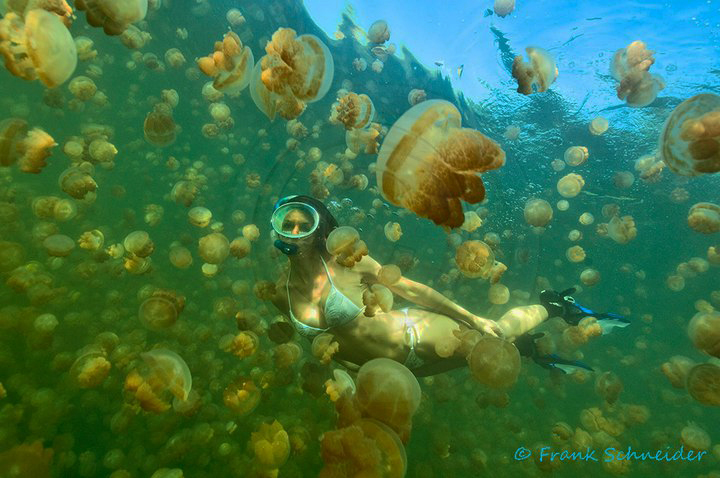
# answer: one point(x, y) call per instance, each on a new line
point(485, 326)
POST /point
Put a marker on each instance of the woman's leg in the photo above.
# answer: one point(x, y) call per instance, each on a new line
point(522, 319)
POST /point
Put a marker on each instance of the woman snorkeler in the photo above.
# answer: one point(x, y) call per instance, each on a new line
point(319, 295)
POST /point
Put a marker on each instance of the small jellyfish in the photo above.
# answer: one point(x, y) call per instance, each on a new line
point(214, 248)
point(498, 294)
point(694, 437)
point(377, 296)
point(230, 64)
point(575, 254)
point(503, 8)
point(536, 75)
point(91, 368)
point(271, 445)
point(159, 127)
point(538, 212)
point(58, 245)
point(139, 243)
point(576, 155)
point(168, 371)
point(242, 396)
point(114, 17)
point(676, 370)
point(704, 332)
point(609, 386)
point(622, 229)
point(475, 259)
point(161, 310)
point(379, 32)
point(703, 384)
point(598, 126)
point(472, 221)
point(352, 111)
point(344, 243)
point(494, 362)
point(388, 392)
point(704, 217)
point(389, 274)
point(200, 216)
point(416, 96)
point(570, 185)
point(590, 276)
point(324, 346)
point(393, 231)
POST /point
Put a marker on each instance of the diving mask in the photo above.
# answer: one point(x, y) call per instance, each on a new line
point(295, 220)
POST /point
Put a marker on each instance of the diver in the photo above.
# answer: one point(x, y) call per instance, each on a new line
point(318, 295)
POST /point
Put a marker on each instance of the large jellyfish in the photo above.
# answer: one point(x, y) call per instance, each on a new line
point(428, 163)
point(536, 75)
point(690, 141)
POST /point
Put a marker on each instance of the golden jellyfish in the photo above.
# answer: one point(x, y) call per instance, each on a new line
point(77, 181)
point(428, 163)
point(375, 297)
point(168, 371)
point(344, 243)
point(251, 232)
point(242, 396)
point(690, 141)
point(91, 240)
point(214, 248)
point(393, 231)
point(180, 256)
point(200, 216)
point(174, 58)
point(159, 126)
point(12, 131)
point(536, 75)
point(472, 221)
point(703, 384)
point(590, 276)
point(630, 67)
point(139, 243)
point(324, 346)
point(713, 255)
point(91, 368)
point(704, 331)
point(161, 310)
point(114, 16)
point(575, 254)
point(704, 217)
point(562, 205)
point(82, 88)
point(538, 212)
point(676, 369)
point(586, 219)
point(58, 245)
point(362, 140)
point(271, 445)
point(576, 155)
point(235, 17)
point(570, 185)
point(498, 294)
point(675, 282)
point(694, 437)
point(230, 65)
point(295, 71)
point(623, 179)
point(25, 461)
point(388, 392)
point(503, 8)
point(622, 229)
point(379, 32)
point(242, 345)
point(475, 259)
point(34, 150)
point(352, 111)
point(494, 362)
point(240, 247)
point(389, 274)
point(609, 386)
point(416, 96)
point(598, 126)
point(365, 448)
point(41, 47)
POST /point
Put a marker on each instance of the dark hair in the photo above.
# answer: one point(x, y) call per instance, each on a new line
point(327, 220)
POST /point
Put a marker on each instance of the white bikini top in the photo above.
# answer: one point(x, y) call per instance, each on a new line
point(339, 310)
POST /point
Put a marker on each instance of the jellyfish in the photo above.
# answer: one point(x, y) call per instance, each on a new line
point(340, 385)
point(472, 221)
point(344, 243)
point(58, 245)
point(570, 185)
point(91, 368)
point(590, 276)
point(630, 67)
point(389, 274)
point(77, 181)
point(365, 448)
point(287, 354)
point(694, 437)
point(242, 396)
point(12, 132)
point(536, 75)
point(161, 310)
point(393, 231)
point(324, 346)
point(498, 294)
point(352, 111)
point(388, 392)
point(27, 461)
point(139, 243)
point(690, 141)
point(538, 212)
point(271, 445)
point(168, 371)
point(703, 384)
point(428, 163)
point(230, 65)
point(609, 386)
point(41, 47)
point(676, 370)
point(704, 217)
point(379, 32)
point(576, 155)
point(362, 140)
point(199, 216)
point(494, 362)
point(159, 126)
point(34, 150)
point(598, 126)
point(704, 332)
point(575, 254)
point(475, 259)
point(214, 248)
point(375, 297)
point(622, 229)
point(114, 16)
point(295, 71)
point(503, 8)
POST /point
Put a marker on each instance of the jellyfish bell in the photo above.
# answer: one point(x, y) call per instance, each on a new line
point(168, 371)
point(494, 362)
point(536, 75)
point(379, 32)
point(475, 259)
point(428, 163)
point(114, 16)
point(676, 369)
point(704, 332)
point(538, 212)
point(703, 384)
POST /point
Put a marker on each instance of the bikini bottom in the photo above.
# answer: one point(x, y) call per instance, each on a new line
point(413, 360)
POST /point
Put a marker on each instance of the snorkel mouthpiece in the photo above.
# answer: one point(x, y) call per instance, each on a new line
point(285, 248)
